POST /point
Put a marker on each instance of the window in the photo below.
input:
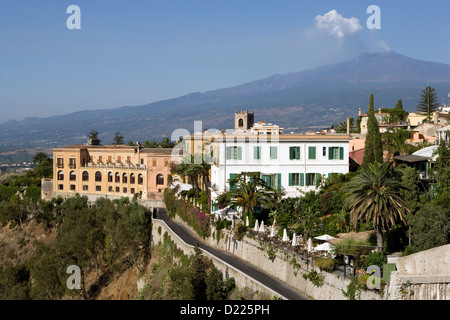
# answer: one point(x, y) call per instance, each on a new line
point(110, 189)
point(60, 163)
point(233, 183)
point(124, 178)
point(98, 176)
point(154, 162)
point(117, 189)
point(272, 180)
point(140, 179)
point(132, 191)
point(132, 178)
point(119, 159)
point(60, 175)
point(296, 179)
point(100, 159)
point(117, 177)
point(60, 187)
point(311, 153)
point(166, 162)
point(273, 152)
point(234, 153)
point(159, 179)
point(294, 153)
point(257, 153)
point(312, 178)
point(241, 123)
point(336, 153)
point(125, 190)
point(98, 188)
point(85, 176)
point(85, 188)
point(128, 159)
point(73, 176)
point(72, 163)
point(324, 151)
point(110, 177)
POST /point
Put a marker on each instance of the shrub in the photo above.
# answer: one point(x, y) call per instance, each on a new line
point(326, 264)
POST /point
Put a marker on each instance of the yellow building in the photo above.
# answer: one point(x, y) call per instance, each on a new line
point(110, 171)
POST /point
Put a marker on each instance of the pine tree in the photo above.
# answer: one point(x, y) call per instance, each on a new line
point(118, 138)
point(428, 102)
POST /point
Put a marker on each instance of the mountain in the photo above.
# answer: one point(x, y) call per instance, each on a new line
point(298, 101)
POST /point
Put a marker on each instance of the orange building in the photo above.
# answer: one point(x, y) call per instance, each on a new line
point(110, 171)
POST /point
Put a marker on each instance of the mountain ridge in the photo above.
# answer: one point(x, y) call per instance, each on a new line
point(298, 101)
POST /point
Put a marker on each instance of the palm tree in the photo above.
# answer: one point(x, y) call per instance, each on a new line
point(249, 194)
point(374, 196)
point(39, 157)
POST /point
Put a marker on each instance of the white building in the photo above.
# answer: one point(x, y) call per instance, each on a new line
point(291, 163)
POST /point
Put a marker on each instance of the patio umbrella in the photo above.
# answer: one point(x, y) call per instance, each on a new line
point(294, 240)
point(325, 237)
point(272, 231)
point(324, 247)
point(261, 227)
point(256, 225)
point(310, 245)
point(285, 237)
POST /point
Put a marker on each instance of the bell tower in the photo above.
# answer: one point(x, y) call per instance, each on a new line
point(243, 120)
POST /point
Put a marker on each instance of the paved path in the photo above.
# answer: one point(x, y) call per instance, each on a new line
point(273, 283)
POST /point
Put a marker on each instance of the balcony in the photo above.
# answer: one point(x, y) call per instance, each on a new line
point(116, 166)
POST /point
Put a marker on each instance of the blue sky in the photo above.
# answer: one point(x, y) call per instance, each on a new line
point(136, 52)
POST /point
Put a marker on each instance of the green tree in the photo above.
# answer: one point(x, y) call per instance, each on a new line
point(249, 194)
point(197, 275)
point(118, 138)
point(373, 150)
point(430, 227)
point(39, 157)
point(428, 102)
point(374, 196)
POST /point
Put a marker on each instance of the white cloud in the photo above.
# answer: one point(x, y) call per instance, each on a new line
point(336, 25)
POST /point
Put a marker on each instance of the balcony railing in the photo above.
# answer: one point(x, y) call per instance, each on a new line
point(115, 166)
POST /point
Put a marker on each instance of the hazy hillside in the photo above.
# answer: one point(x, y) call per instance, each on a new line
point(300, 101)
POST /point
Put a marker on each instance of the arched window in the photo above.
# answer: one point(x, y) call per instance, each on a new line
point(98, 176)
point(159, 179)
point(241, 123)
point(110, 177)
point(73, 176)
point(140, 179)
point(85, 176)
point(60, 175)
point(132, 178)
point(117, 177)
point(124, 178)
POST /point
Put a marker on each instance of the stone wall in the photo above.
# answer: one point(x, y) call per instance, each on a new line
point(159, 228)
point(285, 265)
point(422, 276)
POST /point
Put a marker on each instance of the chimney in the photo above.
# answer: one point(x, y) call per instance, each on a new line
point(379, 110)
point(359, 112)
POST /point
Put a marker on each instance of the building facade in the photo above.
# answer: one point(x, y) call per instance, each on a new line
point(111, 171)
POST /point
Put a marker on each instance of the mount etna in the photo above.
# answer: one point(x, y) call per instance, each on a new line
point(299, 101)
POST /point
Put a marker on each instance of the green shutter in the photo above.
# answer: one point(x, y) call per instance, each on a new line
point(317, 177)
point(239, 153)
point(273, 152)
point(329, 175)
point(307, 179)
point(341, 153)
point(302, 179)
point(312, 152)
point(330, 153)
point(297, 153)
point(290, 179)
point(279, 182)
point(233, 184)
point(256, 153)
point(291, 153)
point(228, 153)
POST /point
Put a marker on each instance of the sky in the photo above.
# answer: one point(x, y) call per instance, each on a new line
point(129, 53)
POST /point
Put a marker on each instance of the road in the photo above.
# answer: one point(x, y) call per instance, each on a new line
point(271, 282)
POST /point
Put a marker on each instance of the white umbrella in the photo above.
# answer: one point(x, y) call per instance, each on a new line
point(261, 227)
point(285, 237)
point(272, 231)
point(325, 237)
point(247, 223)
point(310, 245)
point(294, 240)
point(324, 247)
point(256, 225)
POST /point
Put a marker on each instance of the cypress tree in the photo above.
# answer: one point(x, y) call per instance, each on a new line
point(369, 155)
